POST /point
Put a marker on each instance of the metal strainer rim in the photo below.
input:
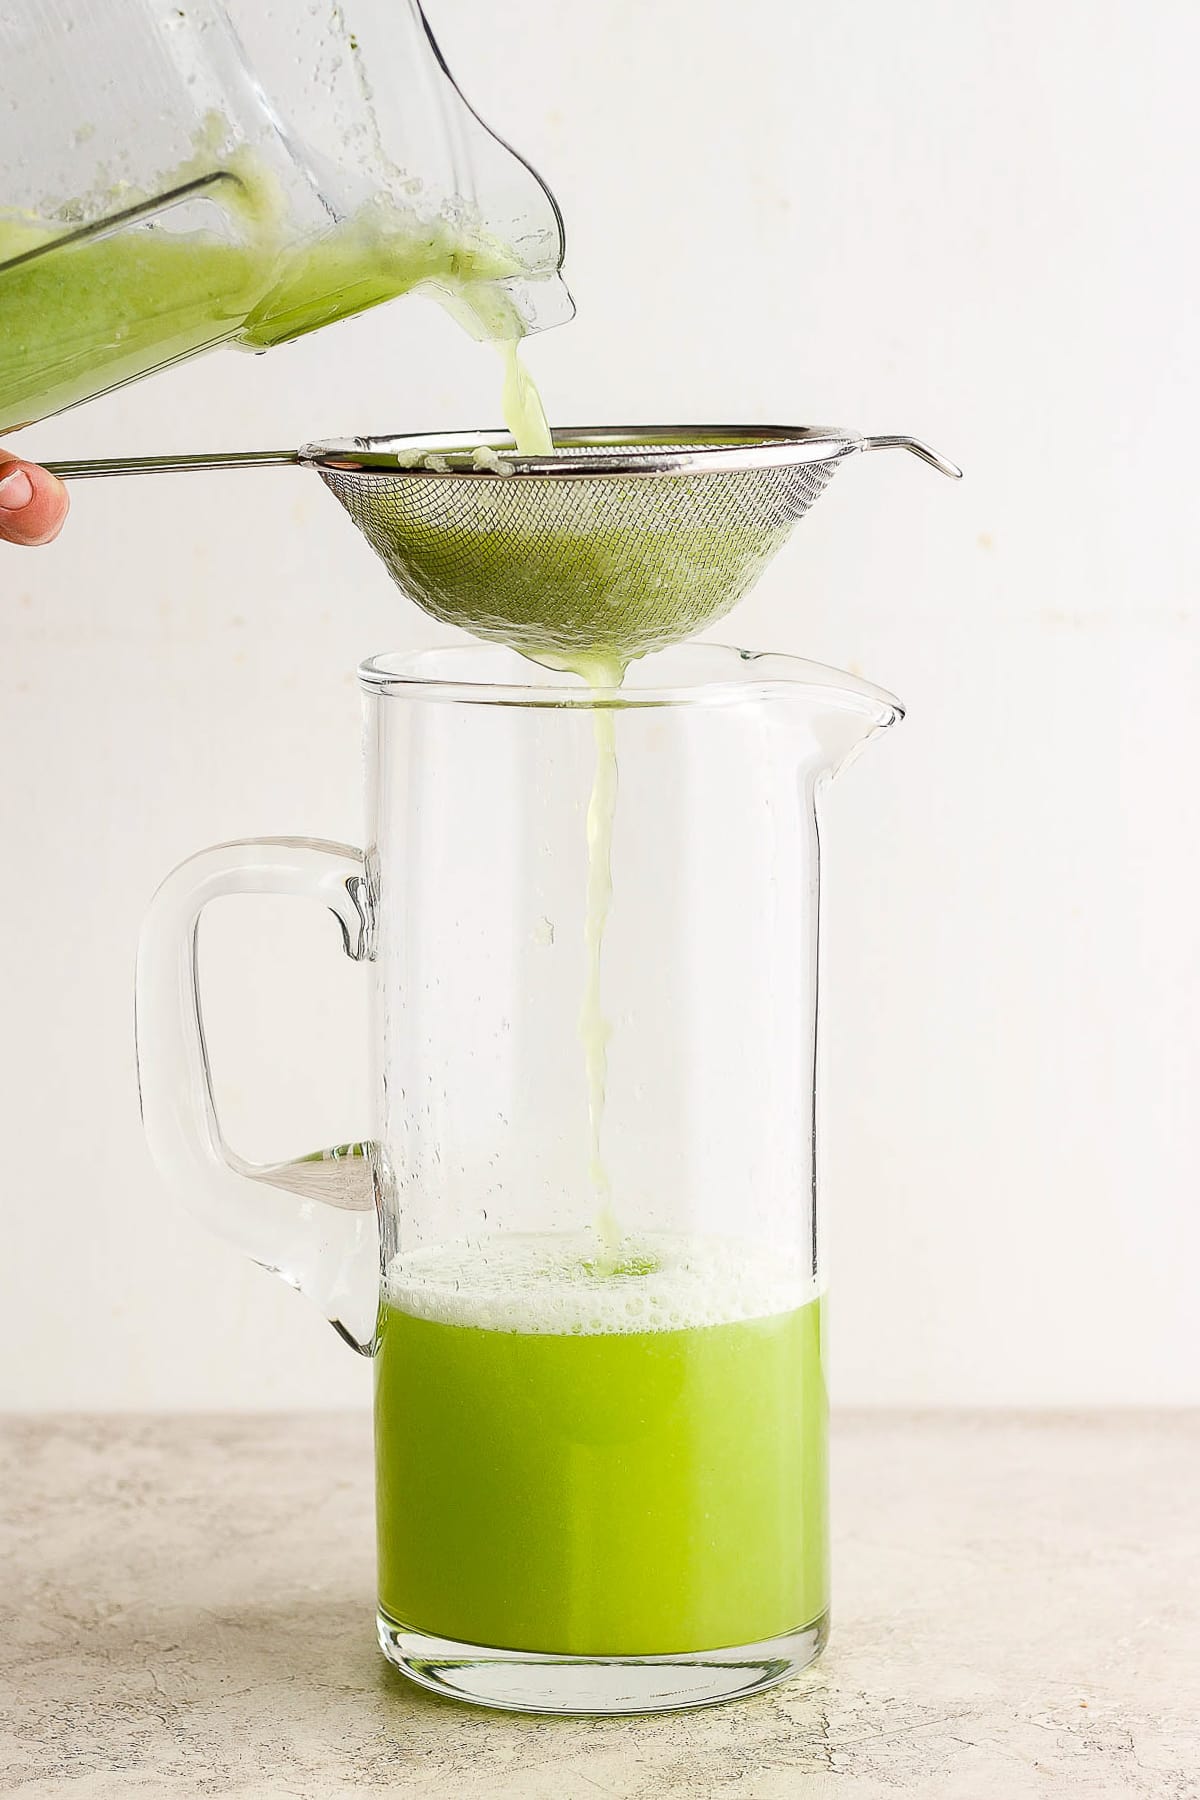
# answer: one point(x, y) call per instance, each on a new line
point(658, 450)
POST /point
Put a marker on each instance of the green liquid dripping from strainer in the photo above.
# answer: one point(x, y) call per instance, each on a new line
point(594, 1028)
point(603, 673)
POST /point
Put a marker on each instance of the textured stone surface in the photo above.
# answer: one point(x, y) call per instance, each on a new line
point(187, 1610)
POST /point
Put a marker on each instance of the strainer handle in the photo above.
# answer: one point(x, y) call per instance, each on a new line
point(86, 467)
point(899, 441)
point(311, 1220)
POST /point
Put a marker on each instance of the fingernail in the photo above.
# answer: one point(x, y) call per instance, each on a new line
point(16, 490)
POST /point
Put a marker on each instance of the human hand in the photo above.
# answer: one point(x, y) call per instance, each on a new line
point(33, 504)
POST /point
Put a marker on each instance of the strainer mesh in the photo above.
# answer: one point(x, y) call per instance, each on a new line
point(623, 563)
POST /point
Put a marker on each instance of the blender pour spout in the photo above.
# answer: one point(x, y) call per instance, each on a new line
point(428, 155)
point(510, 202)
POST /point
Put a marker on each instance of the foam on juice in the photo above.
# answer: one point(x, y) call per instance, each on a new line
point(553, 1284)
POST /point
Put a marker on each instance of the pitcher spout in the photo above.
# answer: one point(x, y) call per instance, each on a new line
point(840, 712)
point(852, 718)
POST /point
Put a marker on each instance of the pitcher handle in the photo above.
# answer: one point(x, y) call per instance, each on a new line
point(311, 1221)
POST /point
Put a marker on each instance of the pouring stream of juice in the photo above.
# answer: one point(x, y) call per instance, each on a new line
point(526, 419)
point(593, 1026)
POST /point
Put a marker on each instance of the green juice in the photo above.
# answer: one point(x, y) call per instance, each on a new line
point(591, 1459)
point(83, 318)
point(375, 256)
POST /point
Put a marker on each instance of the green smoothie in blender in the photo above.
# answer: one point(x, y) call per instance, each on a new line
point(80, 315)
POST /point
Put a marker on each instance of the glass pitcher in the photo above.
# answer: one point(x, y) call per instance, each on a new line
point(601, 1456)
point(171, 183)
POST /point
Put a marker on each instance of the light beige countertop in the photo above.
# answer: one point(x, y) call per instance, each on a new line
point(187, 1609)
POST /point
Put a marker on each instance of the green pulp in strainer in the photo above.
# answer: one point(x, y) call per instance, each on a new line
point(583, 590)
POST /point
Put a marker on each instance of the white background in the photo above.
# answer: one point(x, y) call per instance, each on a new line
point(975, 223)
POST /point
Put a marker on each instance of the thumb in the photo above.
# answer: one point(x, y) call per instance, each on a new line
point(33, 504)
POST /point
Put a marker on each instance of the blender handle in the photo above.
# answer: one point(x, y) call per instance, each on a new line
point(311, 1221)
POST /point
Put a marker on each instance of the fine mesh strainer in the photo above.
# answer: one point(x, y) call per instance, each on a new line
point(621, 541)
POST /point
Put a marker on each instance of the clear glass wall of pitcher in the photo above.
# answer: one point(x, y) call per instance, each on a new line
point(171, 182)
point(601, 1454)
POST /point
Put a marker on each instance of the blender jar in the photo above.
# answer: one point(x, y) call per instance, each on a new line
point(168, 187)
